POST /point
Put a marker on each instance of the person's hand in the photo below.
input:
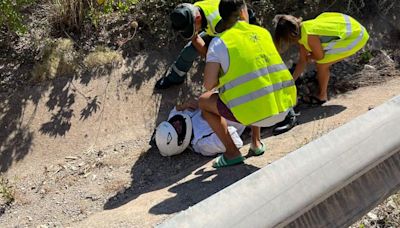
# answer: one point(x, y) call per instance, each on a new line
point(189, 105)
point(200, 45)
point(180, 107)
point(192, 105)
point(310, 58)
point(195, 37)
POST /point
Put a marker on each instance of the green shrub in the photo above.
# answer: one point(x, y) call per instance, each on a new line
point(59, 60)
point(365, 57)
point(10, 14)
point(6, 191)
point(69, 15)
point(113, 5)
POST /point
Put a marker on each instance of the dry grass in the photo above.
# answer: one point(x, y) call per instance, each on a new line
point(103, 57)
point(59, 59)
point(319, 128)
point(68, 14)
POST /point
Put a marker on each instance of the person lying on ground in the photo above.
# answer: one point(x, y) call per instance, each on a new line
point(186, 127)
point(325, 40)
point(255, 87)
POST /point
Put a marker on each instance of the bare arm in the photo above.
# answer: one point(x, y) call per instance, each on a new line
point(301, 64)
point(317, 53)
point(211, 73)
point(200, 45)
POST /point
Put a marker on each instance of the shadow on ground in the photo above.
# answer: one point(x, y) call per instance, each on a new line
point(59, 97)
point(205, 184)
point(152, 172)
point(309, 114)
point(16, 137)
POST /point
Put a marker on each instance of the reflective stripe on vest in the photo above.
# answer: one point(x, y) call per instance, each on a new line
point(259, 93)
point(350, 46)
point(252, 75)
point(348, 33)
point(210, 9)
point(348, 25)
point(210, 20)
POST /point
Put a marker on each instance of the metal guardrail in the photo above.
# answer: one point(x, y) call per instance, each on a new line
point(330, 182)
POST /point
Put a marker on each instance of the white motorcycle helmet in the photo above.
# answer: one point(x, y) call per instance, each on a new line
point(171, 141)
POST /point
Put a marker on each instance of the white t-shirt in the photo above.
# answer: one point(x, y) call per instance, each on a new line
point(218, 53)
point(205, 141)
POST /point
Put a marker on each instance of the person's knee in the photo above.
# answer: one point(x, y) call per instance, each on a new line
point(203, 100)
point(206, 101)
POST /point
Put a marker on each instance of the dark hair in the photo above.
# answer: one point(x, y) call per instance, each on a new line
point(287, 29)
point(229, 9)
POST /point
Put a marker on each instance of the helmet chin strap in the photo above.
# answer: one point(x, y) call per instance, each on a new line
point(152, 141)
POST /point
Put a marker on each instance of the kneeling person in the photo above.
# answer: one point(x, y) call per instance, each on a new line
point(190, 20)
point(255, 88)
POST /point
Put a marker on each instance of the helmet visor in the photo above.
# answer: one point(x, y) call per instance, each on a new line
point(179, 124)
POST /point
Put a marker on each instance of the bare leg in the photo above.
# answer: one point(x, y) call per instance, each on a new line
point(255, 137)
point(323, 76)
point(208, 105)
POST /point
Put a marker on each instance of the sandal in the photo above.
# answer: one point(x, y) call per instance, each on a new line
point(313, 100)
point(221, 161)
point(258, 151)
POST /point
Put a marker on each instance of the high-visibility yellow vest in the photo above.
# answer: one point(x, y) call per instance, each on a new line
point(350, 35)
point(210, 9)
point(257, 84)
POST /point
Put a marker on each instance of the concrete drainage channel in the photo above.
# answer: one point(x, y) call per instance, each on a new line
point(330, 182)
